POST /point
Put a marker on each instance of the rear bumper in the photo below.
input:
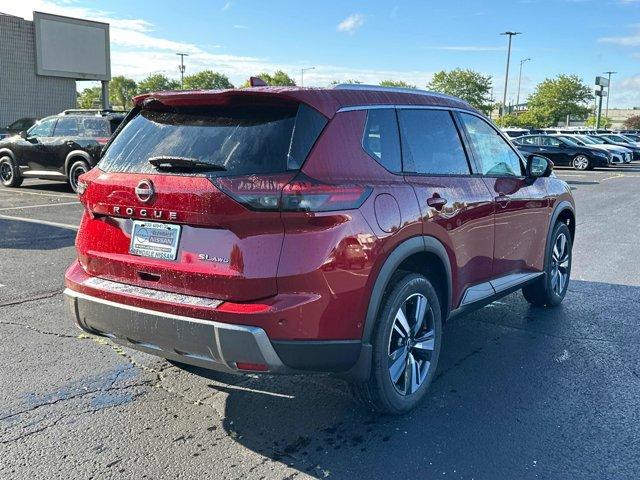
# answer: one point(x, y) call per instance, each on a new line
point(194, 341)
point(205, 343)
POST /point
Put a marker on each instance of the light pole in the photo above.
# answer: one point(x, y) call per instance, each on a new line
point(506, 75)
point(182, 68)
point(606, 111)
point(302, 70)
point(520, 80)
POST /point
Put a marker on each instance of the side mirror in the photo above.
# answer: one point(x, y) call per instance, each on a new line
point(538, 166)
point(23, 134)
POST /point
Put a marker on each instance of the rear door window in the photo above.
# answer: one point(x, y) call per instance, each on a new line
point(236, 140)
point(66, 127)
point(550, 142)
point(431, 143)
point(95, 127)
point(530, 141)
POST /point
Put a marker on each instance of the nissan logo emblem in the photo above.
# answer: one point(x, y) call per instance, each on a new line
point(144, 190)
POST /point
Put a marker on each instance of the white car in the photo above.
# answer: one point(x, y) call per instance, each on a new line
point(620, 154)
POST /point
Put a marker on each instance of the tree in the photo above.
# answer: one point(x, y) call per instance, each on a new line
point(632, 123)
point(90, 97)
point(605, 122)
point(278, 79)
point(207, 80)
point(554, 99)
point(509, 120)
point(350, 81)
point(396, 83)
point(157, 83)
point(468, 85)
point(121, 91)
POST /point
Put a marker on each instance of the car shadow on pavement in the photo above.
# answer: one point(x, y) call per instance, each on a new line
point(55, 187)
point(520, 392)
point(16, 234)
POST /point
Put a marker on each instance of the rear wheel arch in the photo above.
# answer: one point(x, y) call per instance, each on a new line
point(424, 255)
point(75, 156)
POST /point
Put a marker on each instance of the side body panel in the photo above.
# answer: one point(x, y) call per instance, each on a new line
point(464, 225)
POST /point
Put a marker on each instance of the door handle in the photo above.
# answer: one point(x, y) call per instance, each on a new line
point(437, 202)
point(502, 200)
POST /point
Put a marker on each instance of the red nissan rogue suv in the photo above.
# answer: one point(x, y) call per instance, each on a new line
point(293, 230)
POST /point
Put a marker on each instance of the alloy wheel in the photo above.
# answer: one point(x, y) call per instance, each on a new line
point(560, 262)
point(6, 172)
point(581, 162)
point(411, 344)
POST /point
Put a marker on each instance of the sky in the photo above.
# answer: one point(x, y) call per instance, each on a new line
point(370, 40)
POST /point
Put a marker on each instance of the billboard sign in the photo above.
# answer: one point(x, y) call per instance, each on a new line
point(71, 47)
point(602, 81)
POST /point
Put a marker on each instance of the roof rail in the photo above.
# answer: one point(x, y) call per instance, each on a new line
point(95, 111)
point(379, 88)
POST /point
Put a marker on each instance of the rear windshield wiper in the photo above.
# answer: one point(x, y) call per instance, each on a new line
point(182, 163)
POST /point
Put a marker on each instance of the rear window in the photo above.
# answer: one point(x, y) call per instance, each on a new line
point(244, 140)
point(94, 127)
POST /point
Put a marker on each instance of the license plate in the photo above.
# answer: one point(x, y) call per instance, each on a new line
point(155, 240)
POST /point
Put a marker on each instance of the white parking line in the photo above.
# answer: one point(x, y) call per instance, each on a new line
point(38, 206)
point(61, 195)
point(40, 222)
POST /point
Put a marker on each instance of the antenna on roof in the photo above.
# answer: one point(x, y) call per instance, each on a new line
point(257, 82)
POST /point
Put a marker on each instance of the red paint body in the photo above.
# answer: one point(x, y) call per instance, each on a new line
point(305, 275)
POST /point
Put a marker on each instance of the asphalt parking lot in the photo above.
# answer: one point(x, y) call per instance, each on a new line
point(520, 392)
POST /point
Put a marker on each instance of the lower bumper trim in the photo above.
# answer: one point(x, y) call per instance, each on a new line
point(204, 343)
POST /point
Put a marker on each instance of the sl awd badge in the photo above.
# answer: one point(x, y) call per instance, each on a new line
point(205, 257)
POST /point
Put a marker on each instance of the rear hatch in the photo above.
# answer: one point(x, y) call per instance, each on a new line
point(186, 199)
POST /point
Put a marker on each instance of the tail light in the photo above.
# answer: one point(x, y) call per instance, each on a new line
point(255, 192)
point(289, 194)
point(102, 140)
point(304, 194)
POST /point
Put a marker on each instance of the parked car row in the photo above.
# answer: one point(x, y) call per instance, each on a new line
point(61, 147)
point(582, 151)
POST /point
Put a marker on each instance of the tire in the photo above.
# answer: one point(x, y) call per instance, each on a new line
point(77, 168)
point(581, 162)
point(399, 359)
point(9, 173)
point(551, 288)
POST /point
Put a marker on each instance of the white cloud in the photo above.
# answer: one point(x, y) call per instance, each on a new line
point(240, 27)
point(138, 51)
point(351, 23)
point(631, 40)
point(226, 6)
point(625, 91)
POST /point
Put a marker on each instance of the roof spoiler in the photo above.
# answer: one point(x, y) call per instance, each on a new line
point(257, 82)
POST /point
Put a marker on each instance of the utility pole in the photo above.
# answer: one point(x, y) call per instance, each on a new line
point(182, 68)
point(302, 70)
point(506, 75)
point(606, 112)
point(520, 80)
